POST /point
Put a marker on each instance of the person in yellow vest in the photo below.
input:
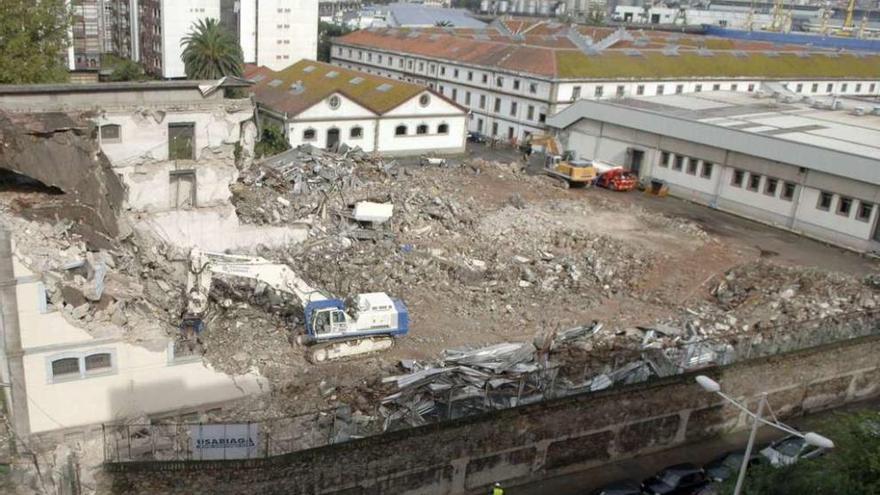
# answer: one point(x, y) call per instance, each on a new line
point(497, 490)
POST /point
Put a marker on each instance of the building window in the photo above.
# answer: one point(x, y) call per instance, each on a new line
point(659, 89)
point(640, 89)
point(497, 105)
point(467, 98)
point(483, 101)
point(738, 178)
point(400, 130)
point(664, 159)
point(513, 109)
point(734, 87)
point(455, 95)
point(111, 133)
point(824, 201)
point(829, 87)
point(814, 88)
point(864, 212)
point(542, 117)
point(799, 88)
point(716, 87)
point(454, 73)
point(575, 93)
point(751, 88)
point(470, 76)
point(400, 62)
point(516, 84)
point(432, 68)
point(620, 90)
point(309, 135)
point(422, 129)
point(443, 129)
point(334, 102)
point(356, 132)
point(510, 133)
point(770, 186)
point(858, 87)
point(843, 87)
point(692, 166)
point(485, 78)
point(424, 100)
point(698, 88)
point(533, 88)
point(494, 129)
point(873, 87)
point(598, 91)
point(98, 362)
point(182, 189)
point(678, 163)
point(441, 89)
point(421, 67)
point(530, 112)
point(844, 206)
point(181, 141)
point(679, 89)
point(499, 81)
point(65, 368)
point(707, 170)
point(787, 193)
point(754, 182)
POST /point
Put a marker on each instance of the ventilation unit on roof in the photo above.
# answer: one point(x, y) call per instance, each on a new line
point(297, 88)
point(275, 83)
point(385, 87)
point(331, 75)
point(356, 80)
point(310, 68)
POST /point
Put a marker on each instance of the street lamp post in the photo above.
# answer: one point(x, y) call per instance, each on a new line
point(710, 385)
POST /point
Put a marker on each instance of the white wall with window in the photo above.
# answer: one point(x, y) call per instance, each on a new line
point(74, 379)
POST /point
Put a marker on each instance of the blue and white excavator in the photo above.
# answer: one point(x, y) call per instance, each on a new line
point(332, 331)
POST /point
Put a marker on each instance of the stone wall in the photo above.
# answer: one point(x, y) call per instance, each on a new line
point(534, 441)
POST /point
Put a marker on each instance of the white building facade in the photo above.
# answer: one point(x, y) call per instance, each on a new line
point(811, 170)
point(326, 106)
point(510, 90)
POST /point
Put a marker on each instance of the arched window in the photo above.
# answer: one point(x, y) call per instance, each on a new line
point(443, 128)
point(111, 133)
point(400, 130)
point(356, 132)
point(99, 362)
point(422, 129)
point(309, 135)
point(65, 367)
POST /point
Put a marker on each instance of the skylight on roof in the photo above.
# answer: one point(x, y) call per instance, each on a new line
point(275, 83)
point(771, 53)
point(705, 53)
point(331, 75)
point(384, 87)
point(633, 53)
point(310, 68)
point(356, 80)
point(739, 53)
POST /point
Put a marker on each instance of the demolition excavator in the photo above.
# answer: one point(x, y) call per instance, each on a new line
point(332, 331)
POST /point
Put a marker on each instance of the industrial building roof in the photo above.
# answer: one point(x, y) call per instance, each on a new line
point(806, 133)
point(410, 14)
point(300, 86)
point(552, 50)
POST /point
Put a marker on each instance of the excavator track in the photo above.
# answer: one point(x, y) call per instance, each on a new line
point(340, 350)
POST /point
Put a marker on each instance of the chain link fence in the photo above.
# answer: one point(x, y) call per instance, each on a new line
point(267, 438)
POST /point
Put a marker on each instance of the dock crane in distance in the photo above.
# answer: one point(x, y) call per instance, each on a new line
point(331, 330)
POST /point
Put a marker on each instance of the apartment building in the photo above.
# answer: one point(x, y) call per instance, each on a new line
point(808, 168)
point(516, 73)
point(273, 33)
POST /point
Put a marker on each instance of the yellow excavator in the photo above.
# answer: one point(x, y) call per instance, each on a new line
point(559, 165)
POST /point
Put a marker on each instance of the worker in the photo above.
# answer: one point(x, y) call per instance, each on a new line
point(497, 490)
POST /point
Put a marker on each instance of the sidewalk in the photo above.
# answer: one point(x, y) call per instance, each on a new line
point(639, 468)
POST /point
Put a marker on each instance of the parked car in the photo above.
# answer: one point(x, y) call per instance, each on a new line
point(622, 487)
point(476, 137)
point(728, 465)
point(789, 450)
point(680, 479)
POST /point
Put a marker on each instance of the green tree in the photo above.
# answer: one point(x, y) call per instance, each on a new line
point(851, 468)
point(326, 32)
point(33, 41)
point(271, 142)
point(211, 52)
point(127, 70)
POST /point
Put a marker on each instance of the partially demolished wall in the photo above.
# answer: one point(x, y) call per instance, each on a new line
point(57, 149)
point(535, 441)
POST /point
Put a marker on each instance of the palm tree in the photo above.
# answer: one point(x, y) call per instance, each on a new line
point(445, 23)
point(210, 52)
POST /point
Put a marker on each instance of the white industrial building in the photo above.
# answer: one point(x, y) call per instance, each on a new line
point(811, 167)
point(515, 74)
point(325, 106)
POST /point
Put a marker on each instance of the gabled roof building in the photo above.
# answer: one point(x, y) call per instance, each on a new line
point(326, 106)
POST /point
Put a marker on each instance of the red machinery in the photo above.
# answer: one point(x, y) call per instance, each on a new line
point(617, 179)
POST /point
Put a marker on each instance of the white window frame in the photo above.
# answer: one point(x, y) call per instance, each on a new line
point(80, 356)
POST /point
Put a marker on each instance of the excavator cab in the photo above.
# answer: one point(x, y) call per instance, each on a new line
point(329, 321)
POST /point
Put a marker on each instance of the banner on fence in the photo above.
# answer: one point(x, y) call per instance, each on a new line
point(225, 441)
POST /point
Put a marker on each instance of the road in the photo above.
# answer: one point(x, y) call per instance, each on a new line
point(639, 468)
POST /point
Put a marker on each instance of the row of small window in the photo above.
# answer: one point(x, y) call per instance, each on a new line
point(677, 163)
point(516, 84)
point(514, 106)
point(845, 206)
point(355, 132)
point(620, 90)
point(771, 184)
point(829, 87)
point(80, 366)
